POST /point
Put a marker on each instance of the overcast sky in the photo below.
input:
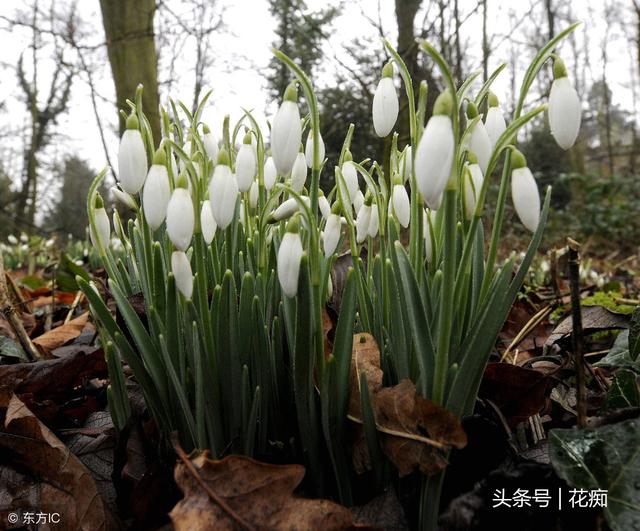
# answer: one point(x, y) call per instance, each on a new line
point(243, 50)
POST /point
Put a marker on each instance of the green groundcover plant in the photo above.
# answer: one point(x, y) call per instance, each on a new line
point(231, 246)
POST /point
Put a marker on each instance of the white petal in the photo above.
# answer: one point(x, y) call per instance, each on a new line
point(565, 112)
point(270, 174)
point(289, 256)
point(223, 193)
point(434, 158)
point(472, 186)
point(480, 144)
point(207, 222)
point(325, 208)
point(286, 135)
point(526, 198)
point(299, 173)
point(254, 192)
point(132, 161)
point(155, 195)
point(350, 176)
point(211, 146)
point(374, 223)
point(385, 107)
point(401, 205)
point(331, 234)
point(180, 219)
point(245, 167)
point(363, 220)
point(308, 150)
point(429, 220)
point(495, 124)
point(103, 228)
point(181, 269)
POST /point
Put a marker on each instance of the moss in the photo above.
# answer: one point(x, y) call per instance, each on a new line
point(608, 300)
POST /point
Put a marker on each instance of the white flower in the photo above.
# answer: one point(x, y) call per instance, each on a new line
point(472, 184)
point(406, 164)
point(494, 121)
point(156, 194)
point(565, 110)
point(288, 208)
point(223, 192)
point(385, 103)
point(435, 153)
point(181, 269)
point(480, 144)
point(299, 173)
point(207, 222)
point(103, 228)
point(350, 177)
point(210, 143)
point(286, 132)
point(245, 165)
point(401, 207)
point(325, 208)
point(289, 256)
point(132, 158)
point(524, 193)
point(180, 218)
point(331, 234)
point(374, 224)
point(428, 225)
point(24, 238)
point(254, 193)
point(270, 174)
point(308, 149)
point(12, 239)
point(124, 198)
point(363, 219)
point(358, 200)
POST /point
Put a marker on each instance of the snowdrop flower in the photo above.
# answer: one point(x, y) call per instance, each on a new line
point(308, 150)
point(254, 192)
point(246, 164)
point(434, 156)
point(325, 208)
point(399, 204)
point(207, 222)
point(103, 228)
point(478, 139)
point(270, 173)
point(428, 226)
point(565, 112)
point(524, 192)
point(210, 143)
point(299, 173)
point(494, 121)
point(374, 223)
point(223, 191)
point(12, 239)
point(286, 132)
point(358, 200)
point(363, 220)
point(180, 215)
point(350, 178)
point(288, 208)
point(289, 256)
point(24, 238)
point(385, 103)
point(331, 233)
point(156, 192)
point(472, 184)
point(181, 269)
point(124, 198)
point(132, 158)
point(406, 164)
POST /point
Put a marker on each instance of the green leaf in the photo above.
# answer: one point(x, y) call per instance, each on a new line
point(624, 392)
point(605, 458)
point(10, 349)
point(619, 355)
point(634, 334)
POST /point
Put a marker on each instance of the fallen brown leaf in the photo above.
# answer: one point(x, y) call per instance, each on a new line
point(414, 432)
point(241, 493)
point(61, 335)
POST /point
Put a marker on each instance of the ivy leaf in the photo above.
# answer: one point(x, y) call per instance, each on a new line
point(624, 392)
point(634, 334)
point(606, 458)
point(619, 355)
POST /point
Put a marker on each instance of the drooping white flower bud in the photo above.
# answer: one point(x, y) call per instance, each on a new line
point(208, 224)
point(406, 164)
point(374, 223)
point(363, 220)
point(323, 203)
point(12, 239)
point(181, 269)
point(210, 143)
point(254, 193)
point(494, 121)
point(223, 191)
point(289, 256)
point(385, 103)
point(286, 132)
point(524, 192)
point(350, 177)
point(434, 156)
point(331, 234)
point(472, 184)
point(399, 203)
point(101, 219)
point(429, 221)
point(132, 158)
point(124, 198)
point(299, 173)
point(288, 208)
point(180, 215)
point(565, 110)
point(478, 139)
point(308, 149)
point(358, 201)
point(156, 192)
point(246, 164)
point(270, 174)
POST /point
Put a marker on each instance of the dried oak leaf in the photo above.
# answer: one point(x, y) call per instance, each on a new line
point(56, 337)
point(256, 495)
point(414, 432)
point(64, 485)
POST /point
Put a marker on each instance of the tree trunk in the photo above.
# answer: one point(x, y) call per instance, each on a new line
point(128, 27)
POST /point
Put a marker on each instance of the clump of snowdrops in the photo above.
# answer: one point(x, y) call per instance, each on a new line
point(232, 243)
